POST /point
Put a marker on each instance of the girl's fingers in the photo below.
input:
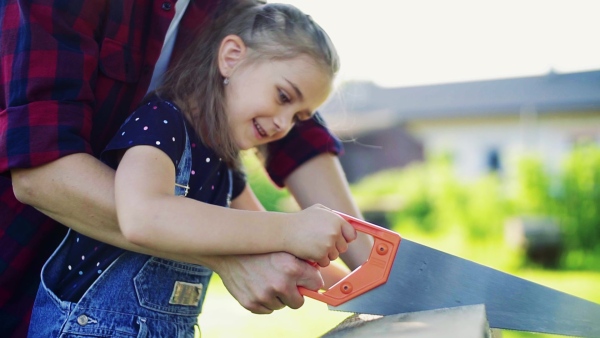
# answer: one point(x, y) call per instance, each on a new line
point(349, 232)
point(341, 245)
point(323, 262)
point(333, 255)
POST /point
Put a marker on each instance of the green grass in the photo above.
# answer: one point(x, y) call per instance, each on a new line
point(496, 254)
point(582, 284)
point(223, 317)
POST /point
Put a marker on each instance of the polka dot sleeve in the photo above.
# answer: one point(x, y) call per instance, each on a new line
point(158, 123)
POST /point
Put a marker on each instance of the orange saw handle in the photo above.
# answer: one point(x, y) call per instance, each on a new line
point(372, 273)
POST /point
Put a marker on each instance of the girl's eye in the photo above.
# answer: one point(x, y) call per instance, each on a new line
point(283, 97)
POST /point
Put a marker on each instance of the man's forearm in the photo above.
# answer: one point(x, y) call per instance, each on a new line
point(78, 191)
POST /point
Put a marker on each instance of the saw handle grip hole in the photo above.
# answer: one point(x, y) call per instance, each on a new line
point(372, 273)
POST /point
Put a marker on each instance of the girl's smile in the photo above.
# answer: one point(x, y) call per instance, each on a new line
point(259, 130)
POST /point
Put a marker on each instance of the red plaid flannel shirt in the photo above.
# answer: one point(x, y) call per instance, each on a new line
point(71, 72)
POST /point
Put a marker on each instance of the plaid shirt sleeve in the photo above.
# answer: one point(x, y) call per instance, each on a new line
point(305, 141)
point(48, 69)
point(71, 71)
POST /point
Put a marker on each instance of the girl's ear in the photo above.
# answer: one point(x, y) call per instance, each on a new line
point(231, 52)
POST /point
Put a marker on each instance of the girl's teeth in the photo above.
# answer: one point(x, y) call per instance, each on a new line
point(260, 130)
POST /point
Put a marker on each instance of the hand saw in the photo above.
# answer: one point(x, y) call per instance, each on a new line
point(402, 276)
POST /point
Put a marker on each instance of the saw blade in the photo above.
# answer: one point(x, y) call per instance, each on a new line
point(423, 278)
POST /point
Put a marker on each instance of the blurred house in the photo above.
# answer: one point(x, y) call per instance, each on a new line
point(483, 125)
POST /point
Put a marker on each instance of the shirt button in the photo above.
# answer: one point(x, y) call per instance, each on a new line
point(82, 320)
point(166, 6)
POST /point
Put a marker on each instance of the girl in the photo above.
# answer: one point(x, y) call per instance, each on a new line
point(244, 83)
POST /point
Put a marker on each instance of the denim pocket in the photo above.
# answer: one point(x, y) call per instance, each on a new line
point(172, 287)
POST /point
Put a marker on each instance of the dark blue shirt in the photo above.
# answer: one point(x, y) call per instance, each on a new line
point(158, 123)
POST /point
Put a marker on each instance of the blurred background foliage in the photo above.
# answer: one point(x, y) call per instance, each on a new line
point(427, 203)
point(426, 199)
point(429, 200)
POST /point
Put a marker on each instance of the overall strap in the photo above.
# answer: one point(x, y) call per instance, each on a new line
point(230, 192)
point(184, 168)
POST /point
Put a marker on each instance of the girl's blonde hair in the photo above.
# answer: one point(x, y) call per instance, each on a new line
point(270, 31)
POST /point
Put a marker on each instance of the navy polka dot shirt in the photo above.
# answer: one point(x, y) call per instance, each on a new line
point(158, 123)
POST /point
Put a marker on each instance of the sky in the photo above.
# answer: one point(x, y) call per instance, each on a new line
point(398, 43)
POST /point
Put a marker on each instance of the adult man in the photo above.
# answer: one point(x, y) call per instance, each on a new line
point(71, 72)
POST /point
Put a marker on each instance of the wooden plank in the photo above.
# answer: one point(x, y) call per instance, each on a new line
point(459, 322)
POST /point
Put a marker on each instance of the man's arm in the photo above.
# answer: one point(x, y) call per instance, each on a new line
point(78, 191)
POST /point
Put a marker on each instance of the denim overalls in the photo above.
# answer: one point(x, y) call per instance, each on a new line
point(136, 296)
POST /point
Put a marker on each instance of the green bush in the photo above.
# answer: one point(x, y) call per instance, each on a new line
point(571, 197)
point(578, 204)
point(431, 199)
point(532, 188)
point(267, 193)
point(405, 190)
point(428, 198)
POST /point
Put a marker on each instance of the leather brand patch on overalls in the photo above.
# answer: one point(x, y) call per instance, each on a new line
point(187, 294)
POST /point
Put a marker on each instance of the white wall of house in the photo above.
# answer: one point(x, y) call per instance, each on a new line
point(471, 141)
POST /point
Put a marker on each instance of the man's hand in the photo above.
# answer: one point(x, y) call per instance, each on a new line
point(268, 282)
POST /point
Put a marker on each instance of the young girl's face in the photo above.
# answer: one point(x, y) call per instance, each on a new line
point(265, 98)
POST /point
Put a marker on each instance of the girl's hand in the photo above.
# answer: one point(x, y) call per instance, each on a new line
point(318, 235)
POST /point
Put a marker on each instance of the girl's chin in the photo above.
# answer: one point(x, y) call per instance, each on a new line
point(245, 146)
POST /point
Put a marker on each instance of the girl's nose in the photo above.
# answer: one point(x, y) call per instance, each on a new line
point(282, 121)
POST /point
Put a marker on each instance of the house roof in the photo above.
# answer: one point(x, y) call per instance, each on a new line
point(570, 92)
